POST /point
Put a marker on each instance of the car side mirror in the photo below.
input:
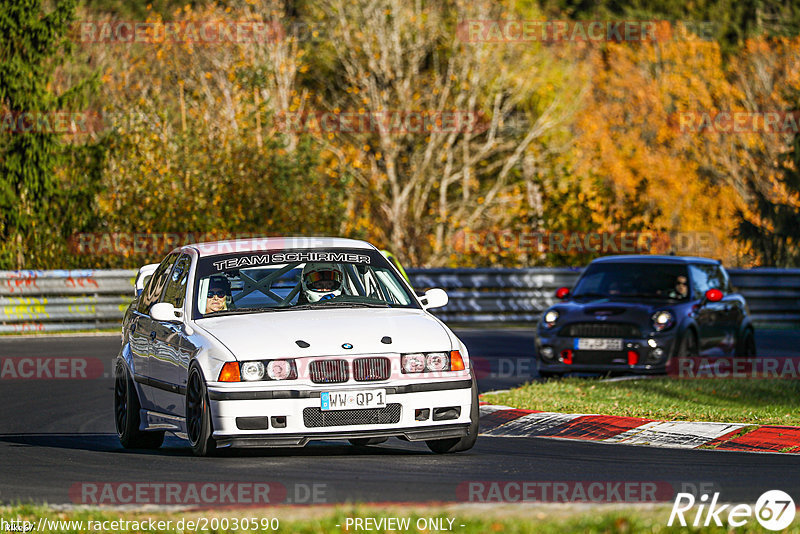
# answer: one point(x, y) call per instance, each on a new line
point(562, 293)
point(434, 298)
point(713, 295)
point(164, 311)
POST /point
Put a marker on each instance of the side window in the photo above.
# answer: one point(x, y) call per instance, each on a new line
point(175, 293)
point(699, 280)
point(154, 288)
point(705, 277)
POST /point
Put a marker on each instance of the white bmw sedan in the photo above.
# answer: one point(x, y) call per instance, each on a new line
point(278, 341)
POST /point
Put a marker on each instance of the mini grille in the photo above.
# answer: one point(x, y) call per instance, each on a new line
point(315, 417)
point(328, 371)
point(366, 369)
point(600, 330)
point(598, 357)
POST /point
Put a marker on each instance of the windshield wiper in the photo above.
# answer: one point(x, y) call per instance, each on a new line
point(347, 304)
point(242, 311)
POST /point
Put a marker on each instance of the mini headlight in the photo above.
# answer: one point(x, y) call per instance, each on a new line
point(550, 318)
point(413, 363)
point(280, 369)
point(438, 361)
point(252, 371)
point(662, 320)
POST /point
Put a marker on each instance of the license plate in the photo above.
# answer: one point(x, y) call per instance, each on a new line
point(592, 343)
point(349, 400)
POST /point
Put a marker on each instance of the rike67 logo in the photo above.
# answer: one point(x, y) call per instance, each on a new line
point(774, 510)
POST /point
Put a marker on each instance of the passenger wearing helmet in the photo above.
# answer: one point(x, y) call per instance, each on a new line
point(322, 281)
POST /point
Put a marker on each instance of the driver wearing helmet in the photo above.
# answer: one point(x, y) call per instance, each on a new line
point(322, 281)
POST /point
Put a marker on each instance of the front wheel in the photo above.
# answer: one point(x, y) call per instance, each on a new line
point(746, 348)
point(126, 414)
point(689, 346)
point(198, 416)
point(446, 446)
point(550, 374)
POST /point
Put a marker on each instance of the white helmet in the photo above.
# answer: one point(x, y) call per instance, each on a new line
point(322, 281)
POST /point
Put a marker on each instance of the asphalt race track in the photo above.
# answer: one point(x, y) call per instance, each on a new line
point(57, 435)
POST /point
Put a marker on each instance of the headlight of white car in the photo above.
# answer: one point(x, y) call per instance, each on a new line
point(413, 363)
point(254, 371)
point(418, 362)
point(281, 370)
point(437, 361)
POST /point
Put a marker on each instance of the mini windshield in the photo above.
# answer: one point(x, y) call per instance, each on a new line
point(297, 279)
point(627, 280)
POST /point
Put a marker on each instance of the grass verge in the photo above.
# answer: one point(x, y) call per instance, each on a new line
point(755, 401)
point(460, 519)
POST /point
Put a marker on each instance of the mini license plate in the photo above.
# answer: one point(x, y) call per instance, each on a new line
point(592, 343)
point(350, 400)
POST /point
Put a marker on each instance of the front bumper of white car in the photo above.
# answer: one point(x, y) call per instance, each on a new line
point(292, 417)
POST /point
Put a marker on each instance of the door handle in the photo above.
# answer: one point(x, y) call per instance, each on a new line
point(153, 335)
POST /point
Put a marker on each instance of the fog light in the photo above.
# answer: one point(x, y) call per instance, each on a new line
point(655, 354)
point(278, 421)
point(443, 414)
point(422, 414)
point(547, 353)
point(652, 343)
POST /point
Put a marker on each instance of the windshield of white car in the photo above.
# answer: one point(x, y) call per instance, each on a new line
point(265, 281)
point(634, 280)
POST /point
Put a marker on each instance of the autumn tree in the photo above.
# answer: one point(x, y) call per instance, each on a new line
point(424, 186)
point(47, 183)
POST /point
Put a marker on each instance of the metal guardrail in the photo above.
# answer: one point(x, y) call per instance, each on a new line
point(520, 295)
point(57, 301)
point(51, 301)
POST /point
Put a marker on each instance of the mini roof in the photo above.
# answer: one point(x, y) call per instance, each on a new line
point(644, 258)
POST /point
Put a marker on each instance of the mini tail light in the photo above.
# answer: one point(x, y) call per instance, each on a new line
point(230, 372)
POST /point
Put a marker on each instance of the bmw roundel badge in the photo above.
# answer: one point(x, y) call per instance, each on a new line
point(347, 346)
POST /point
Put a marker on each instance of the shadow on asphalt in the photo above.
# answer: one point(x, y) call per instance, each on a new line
point(176, 447)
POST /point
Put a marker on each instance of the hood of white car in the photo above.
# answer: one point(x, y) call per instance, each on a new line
point(275, 334)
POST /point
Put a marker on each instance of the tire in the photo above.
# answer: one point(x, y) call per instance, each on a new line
point(746, 347)
point(126, 413)
point(198, 415)
point(363, 442)
point(688, 347)
point(447, 446)
point(550, 374)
